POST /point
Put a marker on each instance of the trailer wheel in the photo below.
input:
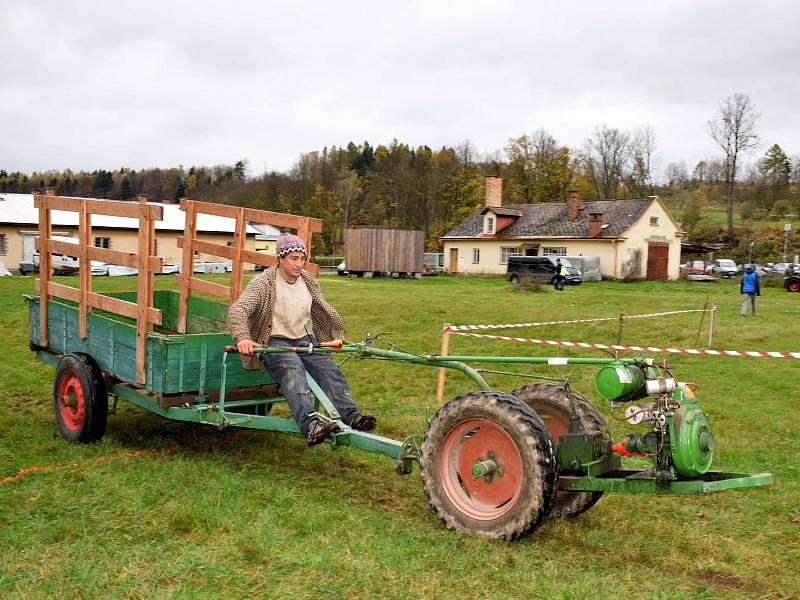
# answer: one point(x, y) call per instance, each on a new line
point(551, 403)
point(488, 466)
point(80, 399)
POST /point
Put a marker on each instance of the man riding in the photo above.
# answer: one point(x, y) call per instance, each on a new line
point(284, 307)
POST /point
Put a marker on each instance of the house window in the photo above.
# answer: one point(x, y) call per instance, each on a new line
point(507, 251)
point(2, 243)
point(653, 220)
point(102, 242)
point(489, 224)
point(476, 256)
point(554, 251)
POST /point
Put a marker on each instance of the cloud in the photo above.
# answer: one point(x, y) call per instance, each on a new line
point(91, 85)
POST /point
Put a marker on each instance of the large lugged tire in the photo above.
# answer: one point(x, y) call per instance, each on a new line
point(551, 403)
point(80, 399)
point(490, 428)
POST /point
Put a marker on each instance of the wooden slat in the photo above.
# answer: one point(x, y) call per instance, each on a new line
point(151, 251)
point(125, 259)
point(247, 256)
point(253, 214)
point(209, 287)
point(113, 208)
point(45, 262)
point(66, 292)
point(142, 293)
point(59, 247)
point(236, 267)
point(187, 266)
point(281, 219)
point(208, 248)
point(85, 273)
point(121, 307)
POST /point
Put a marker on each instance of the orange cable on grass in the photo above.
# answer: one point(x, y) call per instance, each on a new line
point(41, 468)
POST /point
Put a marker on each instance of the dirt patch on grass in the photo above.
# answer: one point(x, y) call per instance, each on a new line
point(720, 580)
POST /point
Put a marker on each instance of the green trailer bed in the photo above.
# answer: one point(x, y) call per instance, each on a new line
point(180, 368)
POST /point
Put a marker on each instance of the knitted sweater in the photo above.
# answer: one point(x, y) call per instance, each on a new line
point(250, 317)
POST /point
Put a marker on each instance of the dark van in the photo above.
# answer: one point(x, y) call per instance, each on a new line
point(540, 269)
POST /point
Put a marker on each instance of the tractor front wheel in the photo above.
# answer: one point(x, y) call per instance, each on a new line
point(793, 286)
point(551, 403)
point(80, 399)
point(488, 466)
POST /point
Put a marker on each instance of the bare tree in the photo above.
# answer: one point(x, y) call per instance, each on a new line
point(643, 148)
point(734, 131)
point(607, 160)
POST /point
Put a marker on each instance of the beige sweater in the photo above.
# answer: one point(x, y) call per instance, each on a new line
point(250, 317)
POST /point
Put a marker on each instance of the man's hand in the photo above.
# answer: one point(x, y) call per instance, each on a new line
point(245, 347)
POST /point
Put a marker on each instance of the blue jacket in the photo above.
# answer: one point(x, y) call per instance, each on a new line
point(749, 283)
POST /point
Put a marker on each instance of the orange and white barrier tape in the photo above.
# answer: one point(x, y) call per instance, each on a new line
point(696, 351)
point(455, 328)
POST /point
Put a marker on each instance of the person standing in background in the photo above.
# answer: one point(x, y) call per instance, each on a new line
point(750, 288)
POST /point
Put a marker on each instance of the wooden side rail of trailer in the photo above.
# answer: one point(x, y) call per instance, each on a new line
point(144, 260)
point(237, 253)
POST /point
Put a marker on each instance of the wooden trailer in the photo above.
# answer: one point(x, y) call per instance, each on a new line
point(371, 251)
point(160, 349)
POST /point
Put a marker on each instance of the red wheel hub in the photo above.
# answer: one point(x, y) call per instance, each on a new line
point(484, 498)
point(71, 403)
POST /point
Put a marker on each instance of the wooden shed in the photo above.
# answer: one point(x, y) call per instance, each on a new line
point(373, 250)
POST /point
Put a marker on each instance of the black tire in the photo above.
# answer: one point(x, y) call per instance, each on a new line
point(524, 448)
point(514, 279)
point(80, 381)
point(551, 403)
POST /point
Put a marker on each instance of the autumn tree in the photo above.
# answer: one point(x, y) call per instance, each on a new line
point(734, 131)
point(538, 169)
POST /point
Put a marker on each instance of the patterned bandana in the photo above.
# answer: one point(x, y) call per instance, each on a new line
point(289, 243)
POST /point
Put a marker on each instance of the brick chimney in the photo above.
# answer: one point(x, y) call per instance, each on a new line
point(572, 205)
point(595, 224)
point(494, 191)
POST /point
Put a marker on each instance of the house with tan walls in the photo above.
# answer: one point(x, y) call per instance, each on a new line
point(634, 239)
point(19, 222)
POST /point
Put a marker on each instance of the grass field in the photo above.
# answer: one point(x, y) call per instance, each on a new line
point(160, 509)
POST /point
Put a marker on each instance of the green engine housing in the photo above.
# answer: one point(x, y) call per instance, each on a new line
point(691, 438)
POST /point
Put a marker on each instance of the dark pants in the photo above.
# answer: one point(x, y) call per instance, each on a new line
point(558, 281)
point(288, 369)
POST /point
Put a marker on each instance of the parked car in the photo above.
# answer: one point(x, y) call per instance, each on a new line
point(724, 267)
point(540, 269)
point(781, 268)
point(695, 267)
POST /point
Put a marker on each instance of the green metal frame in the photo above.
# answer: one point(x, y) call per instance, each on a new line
point(593, 473)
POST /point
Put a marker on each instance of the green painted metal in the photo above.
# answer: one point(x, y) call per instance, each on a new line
point(196, 363)
point(630, 481)
point(618, 380)
point(483, 468)
point(691, 438)
point(188, 364)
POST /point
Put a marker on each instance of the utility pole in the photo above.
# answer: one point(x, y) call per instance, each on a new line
point(750, 251)
point(786, 229)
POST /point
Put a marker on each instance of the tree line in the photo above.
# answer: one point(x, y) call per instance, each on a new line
point(396, 185)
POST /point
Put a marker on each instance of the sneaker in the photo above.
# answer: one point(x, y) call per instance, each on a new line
point(319, 431)
point(364, 423)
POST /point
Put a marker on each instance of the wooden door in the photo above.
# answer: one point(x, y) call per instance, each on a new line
point(454, 260)
point(657, 260)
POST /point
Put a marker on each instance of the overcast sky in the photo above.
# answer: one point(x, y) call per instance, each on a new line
point(88, 85)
